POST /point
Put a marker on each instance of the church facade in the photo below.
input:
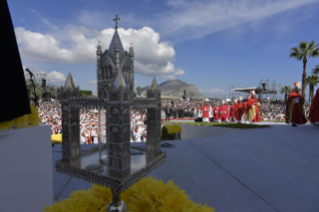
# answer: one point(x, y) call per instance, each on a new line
point(111, 61)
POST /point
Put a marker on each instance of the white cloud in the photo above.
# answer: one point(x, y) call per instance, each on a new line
point(152, 57)
point(56, 77)
point(92, 81)
point(179, 72)
point(193, 19)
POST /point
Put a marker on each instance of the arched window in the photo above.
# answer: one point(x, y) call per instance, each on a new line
point(110, 72)
point(104, 73)
point(125, 73)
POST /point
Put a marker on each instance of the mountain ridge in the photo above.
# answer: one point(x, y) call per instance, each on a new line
point(175, 89)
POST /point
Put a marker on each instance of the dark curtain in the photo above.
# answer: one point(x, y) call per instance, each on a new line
point(14, 100)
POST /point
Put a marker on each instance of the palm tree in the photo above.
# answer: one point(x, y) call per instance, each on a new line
point(38, 88)
point(312, 80)
point(138, 89)
point(286, 90)
point(315, 70)
point(305, 50)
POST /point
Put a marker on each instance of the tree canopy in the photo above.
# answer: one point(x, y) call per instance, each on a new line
point(86, 93)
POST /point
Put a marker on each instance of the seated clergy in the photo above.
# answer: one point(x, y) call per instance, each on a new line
point(137, 135)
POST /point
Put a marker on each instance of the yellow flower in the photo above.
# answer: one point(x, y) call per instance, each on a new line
point(174, 128)
point(56, 138)
point(19, 122)
point(6, 125)
point(33, 118)
point(27, 120)
point(146, 195)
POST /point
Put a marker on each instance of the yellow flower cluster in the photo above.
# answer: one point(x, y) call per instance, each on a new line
point(174, 128)
point(56, 138)
point(147, 195)
point(25, 121)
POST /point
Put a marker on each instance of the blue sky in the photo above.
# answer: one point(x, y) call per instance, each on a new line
point(211, 44)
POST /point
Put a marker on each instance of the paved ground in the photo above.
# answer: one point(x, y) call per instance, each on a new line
point(256, 170)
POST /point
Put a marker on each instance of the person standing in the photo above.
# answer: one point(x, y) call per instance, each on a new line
point(167, 113)
point(223, 112)
point(216, 113)
point(232, 111)
point(200, 113)
point(239, 110)
point(206, 109)
point(295, 113)
point(211, 113)
point(246, 115)
point(314, 110)
point(253, 108)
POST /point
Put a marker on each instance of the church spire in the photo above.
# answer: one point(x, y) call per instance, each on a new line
point(116, 41)
point(69, 82)
point(154, 85)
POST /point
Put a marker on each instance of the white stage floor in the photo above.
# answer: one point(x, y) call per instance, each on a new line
point(254, 170)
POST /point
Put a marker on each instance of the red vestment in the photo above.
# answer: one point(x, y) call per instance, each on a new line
point(216, 112)
point(239, 110)
point(205, 111)
point(250, 103)
point(294, 109)
point(89, 136)
point(232, 112)
point(314, 110)
point(223, 112)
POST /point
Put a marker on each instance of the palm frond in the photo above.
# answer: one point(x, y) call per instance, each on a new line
point(303, 46)
point(314, 53)
point(295, 49)
point(316, 70)
point(286, 89)
point(312, 45)
point(295, 55)
point(314, 79)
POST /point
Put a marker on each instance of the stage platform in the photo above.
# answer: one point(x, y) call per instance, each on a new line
point(252, 170)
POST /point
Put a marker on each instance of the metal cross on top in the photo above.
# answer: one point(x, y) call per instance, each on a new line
point(116, 19)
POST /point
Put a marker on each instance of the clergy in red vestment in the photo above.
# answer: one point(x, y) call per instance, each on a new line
point(253, 108)
point(216, 113)
point(232, 112)
point(239, 110)
point(88, 133)
point(223, 112)
point(295, 112)
point(314, 110)
point(206, 110)
point(246, 115)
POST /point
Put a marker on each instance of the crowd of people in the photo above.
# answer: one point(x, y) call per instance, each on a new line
point(231, 111)
point(249, 110)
